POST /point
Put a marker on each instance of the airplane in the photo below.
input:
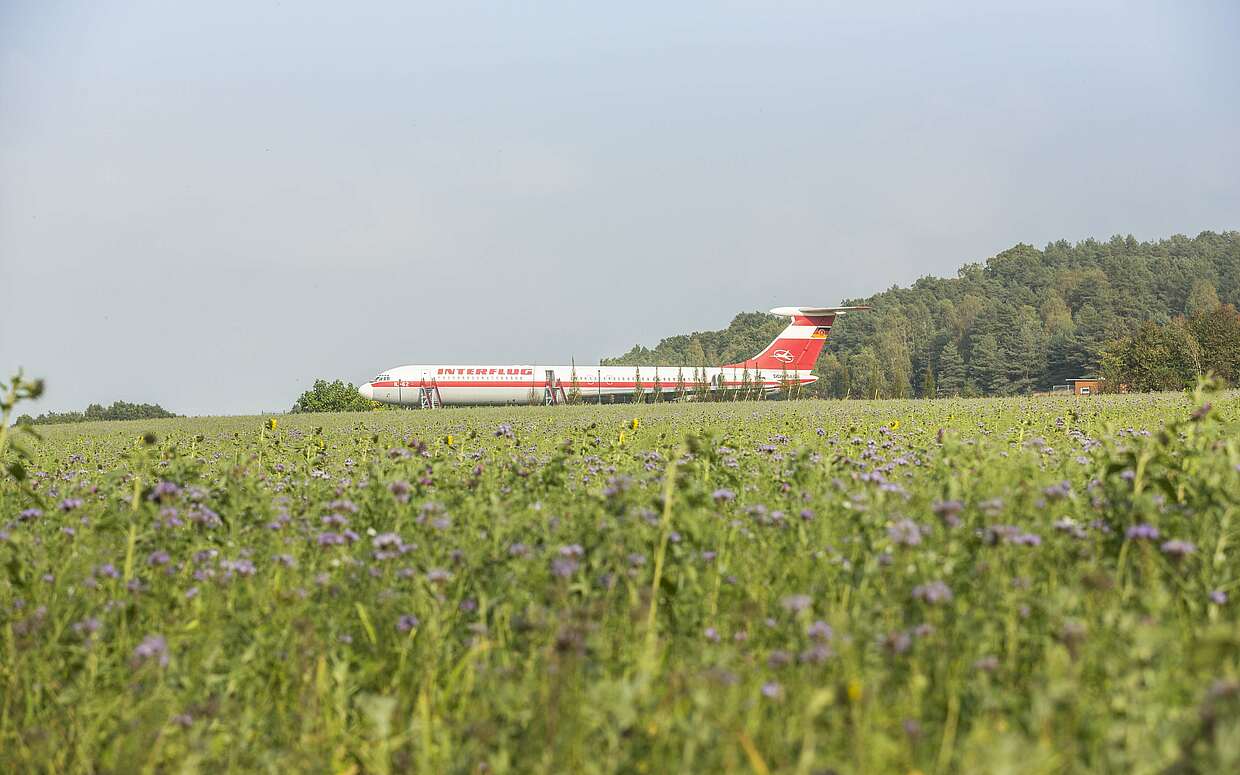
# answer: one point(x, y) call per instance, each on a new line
point(785, 362)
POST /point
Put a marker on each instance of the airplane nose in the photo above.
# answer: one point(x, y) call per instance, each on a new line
point(367, 391)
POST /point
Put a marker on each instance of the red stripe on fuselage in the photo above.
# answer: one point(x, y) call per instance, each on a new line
point(583, 385)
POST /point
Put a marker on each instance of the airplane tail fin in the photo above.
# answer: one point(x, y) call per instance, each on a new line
point(798, 346)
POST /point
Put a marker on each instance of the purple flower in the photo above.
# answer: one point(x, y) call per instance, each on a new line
point(563, 567)
point(330, 539)
point(948, 512)
point(164, 490)
point(28, 514)
point(69, 504)
point(518, 550)
point(202, 515)
point(934, 592)
point(796, 603)
point(1218, 597)
point(1142, 532)
point(723, 495)
point(711, 634)
point(407, 622)
point(778, 658)
point(1061, 490)
point(87, 627)
point(152, 647)
point(438, 576)
point(617, 485)
point(158, 558)
point(1178, 548)
point(400, 490)
point(772, 690)
point(385, 540)
point(993, 506)
point(1027, 539)
point(241, 567)
point(820, 630)
point(905, 532)
point(898, 642)
point(183, 720)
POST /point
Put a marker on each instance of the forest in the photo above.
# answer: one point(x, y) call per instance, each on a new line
point(119, 410)
point(1025, 320)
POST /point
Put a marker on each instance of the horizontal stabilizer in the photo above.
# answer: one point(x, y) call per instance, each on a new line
point(817, 311)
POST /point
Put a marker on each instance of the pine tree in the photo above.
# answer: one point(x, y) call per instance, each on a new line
point(680, 384)
point(694, 354)
point(1025, 354)
point(951, 370)
point(986, 369)
point(657, 390)
point(927, 382)
point(639, 394)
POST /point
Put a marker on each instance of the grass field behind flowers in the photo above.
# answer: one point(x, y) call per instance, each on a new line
point(989, 586)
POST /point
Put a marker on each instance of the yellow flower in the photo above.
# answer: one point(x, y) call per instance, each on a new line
point(854, 690)
point(448, 440)
point(271, 424)
point(622, 438)
point(895, 425)
point(635, 423)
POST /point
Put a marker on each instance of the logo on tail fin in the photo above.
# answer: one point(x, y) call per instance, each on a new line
point(796, 348)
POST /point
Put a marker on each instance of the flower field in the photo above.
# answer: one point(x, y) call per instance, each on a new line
point(993, 585)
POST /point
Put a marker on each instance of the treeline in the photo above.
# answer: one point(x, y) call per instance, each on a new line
point(119, 410)
point(1025, 320)
point(1169, 356)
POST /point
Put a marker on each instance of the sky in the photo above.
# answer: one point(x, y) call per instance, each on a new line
point(209, 205)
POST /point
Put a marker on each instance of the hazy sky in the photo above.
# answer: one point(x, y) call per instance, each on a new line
point(206, 205)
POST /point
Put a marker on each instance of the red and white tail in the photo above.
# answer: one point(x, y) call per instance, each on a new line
point(798, 346)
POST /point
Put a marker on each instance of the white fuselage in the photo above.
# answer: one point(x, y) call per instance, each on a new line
point(531, 384)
